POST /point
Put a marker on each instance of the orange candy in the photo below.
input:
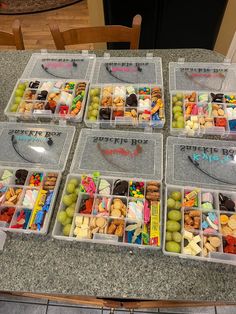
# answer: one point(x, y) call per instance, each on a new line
point(224, 219)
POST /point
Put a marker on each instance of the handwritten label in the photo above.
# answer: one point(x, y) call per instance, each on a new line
point(119, 141)
point(126, 69)
point(34, 133)
point(212, 158)
point(126, 66)
point(209, 150)
point(202, 70)
point(122, 151)
point(26, 138)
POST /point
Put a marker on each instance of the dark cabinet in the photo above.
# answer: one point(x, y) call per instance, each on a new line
point(169, 23)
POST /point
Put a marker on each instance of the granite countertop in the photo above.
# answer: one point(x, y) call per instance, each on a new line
point(44, 265)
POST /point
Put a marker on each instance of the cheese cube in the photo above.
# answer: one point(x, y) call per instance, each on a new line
point(195, 247)
point(197, 239)
point(188, 235)
point(78, 221)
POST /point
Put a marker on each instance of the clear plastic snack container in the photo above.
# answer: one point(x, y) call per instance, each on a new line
point(113, 193)
point(126, 91)
point(200, 200)
point(202, 98)
point(32, 159)
point(53, 87)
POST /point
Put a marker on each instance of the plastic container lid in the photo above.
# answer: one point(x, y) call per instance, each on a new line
point(58, 65)
point(36, 146)
point(201, 163)
point(202, 76)
point(128, 70)
point(119, 153)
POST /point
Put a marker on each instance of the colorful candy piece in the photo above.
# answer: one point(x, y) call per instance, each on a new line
point(135, 210)
point(136, 189)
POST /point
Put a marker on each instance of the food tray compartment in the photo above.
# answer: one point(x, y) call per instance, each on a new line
point(136, 105)
point(47, 99)
point(202, 99)
point(110, 210)
point(198, 113)
point(200, 224)
point(31, 162)
point(27, 198)
point(119, 189)
point(126, 91)
point(200, 199)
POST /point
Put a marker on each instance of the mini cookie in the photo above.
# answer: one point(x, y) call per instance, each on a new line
point(117, 222)
point(100, 222)
point(232, 224)
point(214, 241)
point(152, 188)
point(209, 247)
point(153, 183)
point(152, 195)
point(119, 230)
point(226, 231)
point(111, 229)
point(116, 213)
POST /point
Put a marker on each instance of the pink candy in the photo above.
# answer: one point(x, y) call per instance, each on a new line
point(89, 185)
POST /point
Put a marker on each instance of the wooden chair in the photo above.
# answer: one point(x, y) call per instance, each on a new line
point(107, 33)
point(231, 54)
point(13, 39)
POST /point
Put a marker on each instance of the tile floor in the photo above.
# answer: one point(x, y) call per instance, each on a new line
point(19, 305)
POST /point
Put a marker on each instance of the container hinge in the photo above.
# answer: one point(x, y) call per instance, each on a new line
point(148, 129)
point(3, 237)
point(149, 55)
point(106, 55)
point(84, 52)
point(181, 60)
point(227, 61)
point(12, 119)
point(44, 51)
point(62, 122)
point(95, 126)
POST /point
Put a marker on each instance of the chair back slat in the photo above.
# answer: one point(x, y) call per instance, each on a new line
point(108, 33)
point(6, 39)
point(13, 39)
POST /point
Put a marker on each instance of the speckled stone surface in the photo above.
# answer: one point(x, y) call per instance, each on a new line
point(41, 264)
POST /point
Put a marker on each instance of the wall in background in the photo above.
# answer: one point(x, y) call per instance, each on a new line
point(227, 29)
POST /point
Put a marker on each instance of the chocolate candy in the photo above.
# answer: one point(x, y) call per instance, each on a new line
point(42, 95)
point(131, 101)
point(226, 204)
point(21, 175)
point(217, 97)
point(120, 188)
point(105, 113)
point(34, 84)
